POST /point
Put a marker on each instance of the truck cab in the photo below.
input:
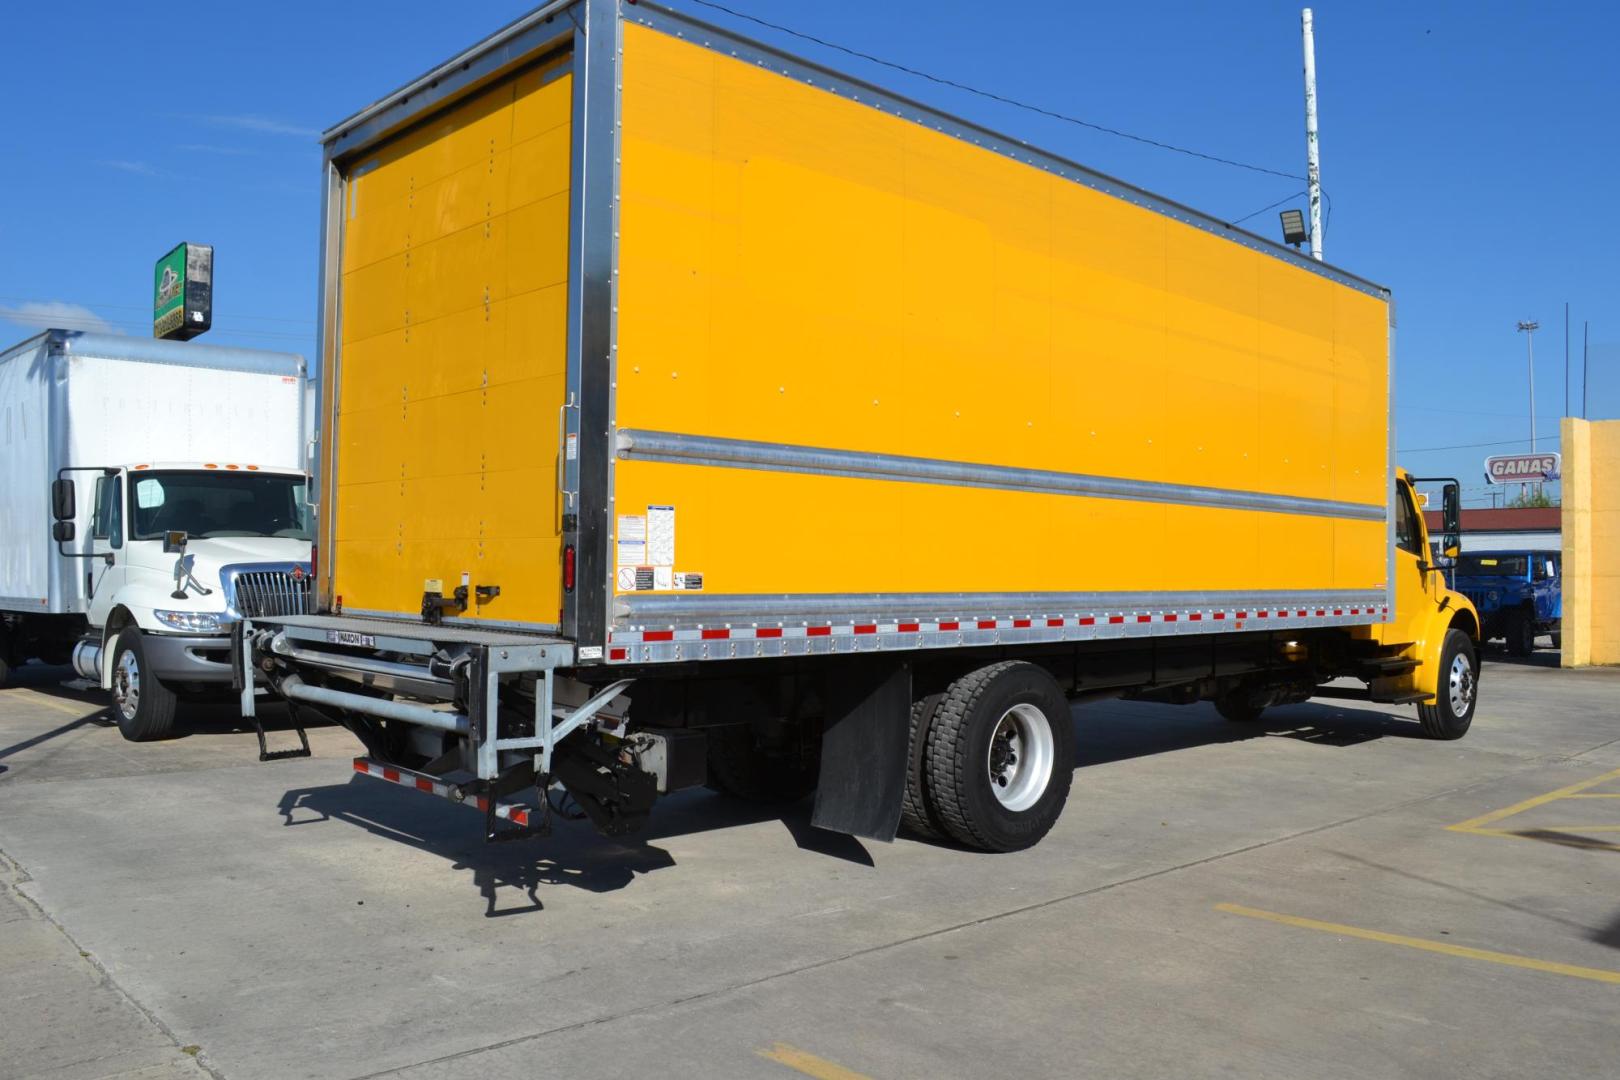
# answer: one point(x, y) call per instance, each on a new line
point(1519, 594)
point(177, 553)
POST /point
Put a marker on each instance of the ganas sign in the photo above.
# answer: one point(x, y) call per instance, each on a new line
point(1521, 468)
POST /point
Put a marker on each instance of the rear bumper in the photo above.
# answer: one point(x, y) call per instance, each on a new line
point(187, 658)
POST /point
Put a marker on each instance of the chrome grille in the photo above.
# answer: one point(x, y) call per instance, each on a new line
point(265, 591)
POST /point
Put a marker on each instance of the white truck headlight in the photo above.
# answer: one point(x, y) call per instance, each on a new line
point(193, 622)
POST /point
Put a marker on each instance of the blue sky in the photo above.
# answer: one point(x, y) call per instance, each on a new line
point(1468, 150)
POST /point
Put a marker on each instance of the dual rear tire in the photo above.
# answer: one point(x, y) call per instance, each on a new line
point(992, 759)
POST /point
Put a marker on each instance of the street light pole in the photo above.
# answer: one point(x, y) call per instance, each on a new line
point(1313, 164)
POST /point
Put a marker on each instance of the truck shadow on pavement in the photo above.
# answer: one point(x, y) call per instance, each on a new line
point(573, 855)
point(1117, 731)
point(1542, 658)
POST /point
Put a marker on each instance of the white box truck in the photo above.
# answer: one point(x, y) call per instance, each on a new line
point(151, 494)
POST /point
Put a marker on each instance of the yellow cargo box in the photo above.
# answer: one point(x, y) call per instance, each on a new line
point(682, 348)
point(697, 415)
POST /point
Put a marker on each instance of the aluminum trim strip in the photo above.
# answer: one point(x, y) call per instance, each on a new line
point(776, 457)
point(850, 606)
point(690, 28)
point(681, 643)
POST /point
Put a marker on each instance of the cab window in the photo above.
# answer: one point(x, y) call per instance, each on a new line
point(1408, 536)
point(107, 522)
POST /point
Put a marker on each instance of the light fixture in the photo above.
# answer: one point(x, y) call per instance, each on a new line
point(1293, 227)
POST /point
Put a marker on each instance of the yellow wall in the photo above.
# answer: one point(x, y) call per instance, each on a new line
point(453, 361)
point(1591, 526)
point(802, 269)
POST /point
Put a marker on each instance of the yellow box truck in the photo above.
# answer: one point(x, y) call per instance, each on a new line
point(696, 414)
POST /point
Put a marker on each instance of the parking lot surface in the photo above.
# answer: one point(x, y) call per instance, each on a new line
point(1321, 894)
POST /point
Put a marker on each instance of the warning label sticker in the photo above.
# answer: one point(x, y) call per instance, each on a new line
point(660, 535)
point(632, 540)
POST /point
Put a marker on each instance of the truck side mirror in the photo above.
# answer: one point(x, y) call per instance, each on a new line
point(174, 542)
point(63, 505)
point(63, 531)
point(1451, 512)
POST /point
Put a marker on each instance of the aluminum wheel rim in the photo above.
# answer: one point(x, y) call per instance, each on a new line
point(127, 685)
point(1019, 761)
point(1460, 682)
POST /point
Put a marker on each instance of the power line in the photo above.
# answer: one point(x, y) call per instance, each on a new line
point(1466, 446)
point(137, 307)
point(991, 96)
point(98, 325)
point(1263, 209)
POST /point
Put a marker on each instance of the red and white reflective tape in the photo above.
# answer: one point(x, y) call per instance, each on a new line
point(516, 813)
point(620, 642)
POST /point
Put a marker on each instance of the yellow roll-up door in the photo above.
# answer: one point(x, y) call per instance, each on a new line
point(453, 356)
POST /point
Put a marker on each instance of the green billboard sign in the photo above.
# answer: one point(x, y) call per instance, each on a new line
point(183, 292)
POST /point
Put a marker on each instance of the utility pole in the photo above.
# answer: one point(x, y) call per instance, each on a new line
point(1529, 330)
point(1313, 164)
point(1566, 357)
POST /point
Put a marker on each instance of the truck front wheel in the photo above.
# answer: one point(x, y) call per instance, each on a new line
point(1453, 708)
point(1000, 757)
point(143, 706)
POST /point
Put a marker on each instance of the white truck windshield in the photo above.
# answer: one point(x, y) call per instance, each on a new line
point(208, 504)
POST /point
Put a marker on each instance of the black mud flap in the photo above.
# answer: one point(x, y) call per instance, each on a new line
point(863, 750)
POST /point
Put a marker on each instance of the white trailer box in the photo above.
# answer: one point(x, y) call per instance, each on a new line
point(79, 400)
point(126, 420)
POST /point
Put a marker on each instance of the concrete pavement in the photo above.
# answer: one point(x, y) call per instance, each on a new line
point(1285, 899)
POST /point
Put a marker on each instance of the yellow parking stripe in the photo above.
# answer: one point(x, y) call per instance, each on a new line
point(808, 1064)
point(1572, 970)
point(85, 709)
point(1475, 824)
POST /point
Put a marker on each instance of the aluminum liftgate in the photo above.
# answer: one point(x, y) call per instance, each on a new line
point(485, 658)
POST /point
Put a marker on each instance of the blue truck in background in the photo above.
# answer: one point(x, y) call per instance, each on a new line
point(1519, 594)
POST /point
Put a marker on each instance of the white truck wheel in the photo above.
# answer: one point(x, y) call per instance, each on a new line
point(143, 706)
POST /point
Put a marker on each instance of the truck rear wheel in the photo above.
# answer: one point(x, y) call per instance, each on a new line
point(1453, 708)
point(143, 706)
point(740, 767)
point(1521, 633)
point(917, 811)
point(1238, 706)
point(1000, 756)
